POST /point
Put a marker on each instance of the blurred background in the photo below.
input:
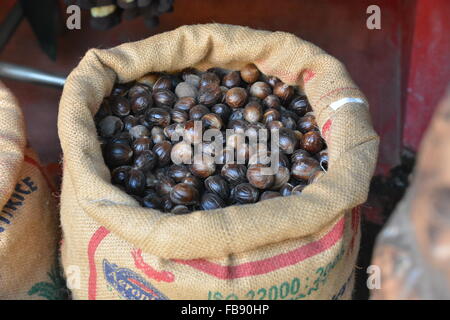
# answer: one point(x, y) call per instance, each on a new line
point(403, 68)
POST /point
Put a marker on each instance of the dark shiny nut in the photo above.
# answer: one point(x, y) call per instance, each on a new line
point(258, 178)
point(204, 168)
point(272, 80)
point(185, 89)
point(120, 89)
point(172, 129)
point(288, 122)
point(212, 120)
point(145, 161)
point(286, 190)
point(120, 175)
point(178, 172)
point(163, 83)
point(231, 79)
point(266, 195)
point(299, 105)
point(193, 181)
point(138, 89)
point(283, 160)
point(211, 201)
point(281, 178)
point(253, 112)
point(152, 202)
point(182, 153)
point(245, 193)
point(209, 94)
point(167, 204)
point(272, 101)
point(209, 78)
point(307, 123)
point(109, 126)
point(250, 73)
point(157, 135)
point(217, 185)
point(222, 110)
point(139, 131)
point(299, 154)
point(287, 140)
point(237, 114)
point(185, 104)
point(149, 79)
point(184, 193)
point(234, 173)
point(322, 157)
point(120, 106)
point(224, 91)
point(121, 137)
point(141, 144)
point(118, 154)
point(239, 126)
point(192, 79)
point(236, 97)
point(129, 122)
point(196, 113)
point(312, 142)
point(303, 169)
point(299, 136)
point(136, 182)
point(260, 90)
point(151, 181)
point(298, 189)
point(179, 116)
point(164, 186)
point(164, 98)
point(271, 115)
point(162, 151)
point(140, 103)
point(274, 125)
point(283, 91)
point(180, 209)
point(158, 117)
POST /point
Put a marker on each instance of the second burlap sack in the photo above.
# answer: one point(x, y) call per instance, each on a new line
point(299, 247)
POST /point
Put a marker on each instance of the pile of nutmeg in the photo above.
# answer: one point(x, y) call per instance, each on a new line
point(152, 131)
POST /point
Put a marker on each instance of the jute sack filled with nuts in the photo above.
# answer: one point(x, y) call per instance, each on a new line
point(28, 219)
point(297, 247)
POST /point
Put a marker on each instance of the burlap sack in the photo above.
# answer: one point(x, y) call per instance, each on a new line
point(28, 219)
point(298, 247)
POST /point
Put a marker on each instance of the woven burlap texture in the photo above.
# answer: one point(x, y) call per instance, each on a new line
point(28, 228)
point(352, 143)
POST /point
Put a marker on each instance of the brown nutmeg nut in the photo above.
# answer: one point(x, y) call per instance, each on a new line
point(299, 105)
point(218, 185)
point(209, 94)
point(180, 209)
point(118, 154)
point(281, 178)
point(140, 103)
point(120, 175)
point(304, 169)
point(236, 97)
point(231, 79)
point(163, 151)
point(179, 116)
point(283, 91)
point(158, 117)
point(250, 73)
point(286, 189)
point(258, 178)
point(129, 122)
point(211, 201)
point(312, 142)
point(164, 186)
point(299, 154)
point(149, 79)
point(307, 123)
point(136, 182)
point(272, 80)
point(221, 110)
point(184, 194)
point(197, 112)
point(145, 161)
point(266, 195)
point(138, 89)
point(234, 173)
point(204, 168)
point(120, 106)
point(185, 89)
point(212, 120)
point(185, 104)
point(193, 181)
point(164, 98)
point(253, 112)
point(287, 140)
point(178, 172)
point(260, 90)
point(209, 78)
point(245, 193)
point(272, 101)
point(271, 115)
point(163, 83)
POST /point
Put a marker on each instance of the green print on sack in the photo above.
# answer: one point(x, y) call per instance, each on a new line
point(294, 289)
point(54, 290)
